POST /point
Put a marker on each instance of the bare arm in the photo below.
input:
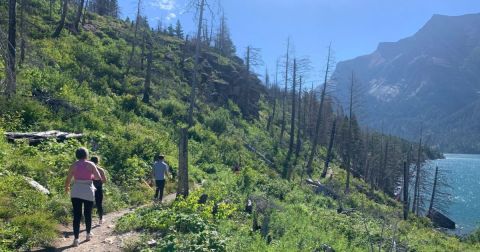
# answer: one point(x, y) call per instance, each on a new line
point(95, 172)
point(69, 179)
point(103, 174)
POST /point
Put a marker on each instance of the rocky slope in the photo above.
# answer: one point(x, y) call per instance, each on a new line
point(431, 78)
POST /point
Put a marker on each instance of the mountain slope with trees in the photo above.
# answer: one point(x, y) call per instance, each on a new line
point(128, 89)
point(430, 79)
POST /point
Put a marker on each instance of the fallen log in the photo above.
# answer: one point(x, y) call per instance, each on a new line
point(440, 219)
point(37, 137)
point(37, 186)
point(323, 189)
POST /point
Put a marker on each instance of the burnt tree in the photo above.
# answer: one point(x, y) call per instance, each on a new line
point(63, 18)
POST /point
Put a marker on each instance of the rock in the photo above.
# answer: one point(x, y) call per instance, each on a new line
point(151, 243)
point(34, 184)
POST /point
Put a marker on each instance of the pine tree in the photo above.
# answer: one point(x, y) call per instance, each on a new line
point(170, 30)
point(179, 30)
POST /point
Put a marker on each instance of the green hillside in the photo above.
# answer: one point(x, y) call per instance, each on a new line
point(79, 82)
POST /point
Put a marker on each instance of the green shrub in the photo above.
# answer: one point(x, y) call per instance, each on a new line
point(35, 229)
point(218, 121)
point(173, 110)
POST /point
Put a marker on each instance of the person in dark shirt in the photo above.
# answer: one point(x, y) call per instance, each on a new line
point(160, 169)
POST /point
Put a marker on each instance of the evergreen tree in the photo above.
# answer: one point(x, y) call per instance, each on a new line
point(179, 30)
point(170, 30)
point(106, 7)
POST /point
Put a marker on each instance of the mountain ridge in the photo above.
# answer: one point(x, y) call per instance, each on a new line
point(419, 80)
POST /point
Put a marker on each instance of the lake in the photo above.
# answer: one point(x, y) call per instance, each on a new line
point(464, 178)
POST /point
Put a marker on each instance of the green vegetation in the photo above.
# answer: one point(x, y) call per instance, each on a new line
point(77, 83)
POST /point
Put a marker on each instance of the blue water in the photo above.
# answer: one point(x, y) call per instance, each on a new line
point(464, 178)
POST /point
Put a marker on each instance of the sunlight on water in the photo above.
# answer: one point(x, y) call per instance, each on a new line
point(464, 178)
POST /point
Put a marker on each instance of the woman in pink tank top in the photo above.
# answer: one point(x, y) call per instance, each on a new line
point(83, 191)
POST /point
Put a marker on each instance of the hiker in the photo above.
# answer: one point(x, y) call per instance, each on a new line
point(83, 192)
point(160, 168)
point(98, 183)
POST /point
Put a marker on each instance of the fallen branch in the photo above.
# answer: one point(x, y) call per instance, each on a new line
point(323, 189)
point(262, 156)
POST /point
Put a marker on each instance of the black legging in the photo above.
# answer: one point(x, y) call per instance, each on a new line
point(160, 186)
point(77, 215)
point(99, 197)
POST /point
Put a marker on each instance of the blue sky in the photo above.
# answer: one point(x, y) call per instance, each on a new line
point(355, 27)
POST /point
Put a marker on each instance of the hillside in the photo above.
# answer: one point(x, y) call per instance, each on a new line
point(78, 82)
point(431, 78)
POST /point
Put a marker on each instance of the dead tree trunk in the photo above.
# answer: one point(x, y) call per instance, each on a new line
point(23, 9)
point(284, 99)
point(434, 189)
point(349, 155)
point(78, 15)
point(286, 168)
point(319, 117)
point(134, 42)
point(61, 23)
point(330, 148)
point(148, 77)
point(197, 59)
point(416, 193)
point(248, 59)
point(384, 165)
point(271, 119)
point(405, 190)
point(142, 54)
point(300, 125)
point(85, 12)
point(182, 186)
point(11, 56)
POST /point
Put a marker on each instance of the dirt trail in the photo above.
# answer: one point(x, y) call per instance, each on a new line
point(104, 239)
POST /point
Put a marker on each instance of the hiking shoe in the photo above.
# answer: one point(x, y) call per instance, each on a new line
point(100, 222)
point(89, 237)
point(75, 243)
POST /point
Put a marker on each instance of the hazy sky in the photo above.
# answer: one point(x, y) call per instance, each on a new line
point(355, 27)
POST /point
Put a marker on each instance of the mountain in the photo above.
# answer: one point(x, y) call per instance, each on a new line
point(429, 80)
